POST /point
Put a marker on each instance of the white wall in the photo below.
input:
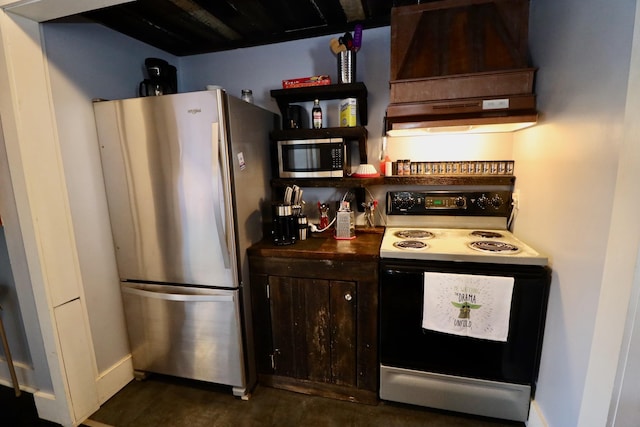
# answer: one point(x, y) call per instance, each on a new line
point(88, 61)
point(625, 404)
point(40, 238)
point(11, 314)
point(263, 68)
point(616, 337)
point(567, 168)
point(66, 269)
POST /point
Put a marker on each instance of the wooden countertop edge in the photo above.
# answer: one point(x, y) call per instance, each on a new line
point(365, 247)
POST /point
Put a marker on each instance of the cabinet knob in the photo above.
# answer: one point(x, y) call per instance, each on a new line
point(348, 297)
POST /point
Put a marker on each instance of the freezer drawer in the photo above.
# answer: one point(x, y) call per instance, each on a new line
point(186, 331)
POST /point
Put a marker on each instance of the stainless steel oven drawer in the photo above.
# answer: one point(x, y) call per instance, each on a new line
point(461, 394)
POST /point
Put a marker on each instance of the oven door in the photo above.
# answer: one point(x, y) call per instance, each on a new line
point(475, 376)
point(405, 344)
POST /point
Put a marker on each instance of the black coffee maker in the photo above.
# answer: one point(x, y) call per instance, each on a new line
point(162, 78)
point(284, 229)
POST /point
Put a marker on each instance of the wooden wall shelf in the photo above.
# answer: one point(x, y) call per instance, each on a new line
point(349, 182)
point(357, 90)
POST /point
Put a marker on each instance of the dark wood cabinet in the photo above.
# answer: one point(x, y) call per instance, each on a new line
point(315, 337)
point(315, 307)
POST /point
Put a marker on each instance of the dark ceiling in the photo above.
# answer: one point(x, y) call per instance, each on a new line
point(189, 27)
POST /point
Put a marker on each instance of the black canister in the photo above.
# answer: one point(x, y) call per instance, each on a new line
point(295, 117)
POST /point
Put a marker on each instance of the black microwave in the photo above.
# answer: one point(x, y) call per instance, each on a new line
point(313, 158)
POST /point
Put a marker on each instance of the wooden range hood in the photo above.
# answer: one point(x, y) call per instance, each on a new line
point(460, 65)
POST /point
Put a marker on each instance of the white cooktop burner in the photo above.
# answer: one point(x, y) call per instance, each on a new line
point(414, 234)
point(458, 244)
point(487, 234)
point(494, 246)
point(410, 245)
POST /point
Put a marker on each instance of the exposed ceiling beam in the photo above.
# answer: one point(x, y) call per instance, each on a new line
point(353, 10)
point(201, 15)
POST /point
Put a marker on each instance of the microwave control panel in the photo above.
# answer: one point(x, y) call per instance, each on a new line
point(337, 158)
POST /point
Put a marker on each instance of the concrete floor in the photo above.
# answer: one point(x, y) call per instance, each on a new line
point(166, 401)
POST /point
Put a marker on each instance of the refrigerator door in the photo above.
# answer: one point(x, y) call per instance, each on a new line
point(244, 137)
point(245, 142)
point(185, 331)
point(165, 188)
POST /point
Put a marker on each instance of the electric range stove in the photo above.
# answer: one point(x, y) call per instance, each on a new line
point(458, 244)
point(462, 237)
point(454, 226)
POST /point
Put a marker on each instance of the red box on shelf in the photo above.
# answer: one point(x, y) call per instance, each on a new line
point(306, 81)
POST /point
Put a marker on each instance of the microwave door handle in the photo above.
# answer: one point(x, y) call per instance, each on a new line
point(218, 199)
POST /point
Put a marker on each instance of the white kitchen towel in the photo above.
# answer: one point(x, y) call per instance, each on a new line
point(468, 305)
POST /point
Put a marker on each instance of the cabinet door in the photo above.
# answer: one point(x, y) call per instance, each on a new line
point(314, 329)
point(343, 333)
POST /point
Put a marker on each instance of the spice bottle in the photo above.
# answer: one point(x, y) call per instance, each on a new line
point(316, 113)
point(388, 167)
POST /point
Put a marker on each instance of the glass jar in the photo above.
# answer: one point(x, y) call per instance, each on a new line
point(247, 95)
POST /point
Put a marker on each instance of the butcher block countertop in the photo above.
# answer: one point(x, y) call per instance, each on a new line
point(365, 247)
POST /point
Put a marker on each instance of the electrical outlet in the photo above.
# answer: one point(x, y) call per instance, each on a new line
point(515, 197)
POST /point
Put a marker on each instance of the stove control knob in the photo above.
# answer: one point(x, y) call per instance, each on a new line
point(482, 202)
point(496, 202)
point(404, 201)
point(459, 202)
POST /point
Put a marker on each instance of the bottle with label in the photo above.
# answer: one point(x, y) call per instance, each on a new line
point(316, 113)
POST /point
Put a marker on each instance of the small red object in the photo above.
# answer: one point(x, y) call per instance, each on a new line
point(321, 80)
point(324, 215)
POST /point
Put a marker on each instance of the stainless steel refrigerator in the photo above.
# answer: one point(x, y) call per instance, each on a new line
point(187, 183)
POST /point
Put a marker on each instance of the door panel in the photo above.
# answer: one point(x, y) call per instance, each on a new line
point(314, 329)
point(316, 320)
point(190, 332)
point(343, 333)
point(283, 321)
point(405, 344)
point(162, 175)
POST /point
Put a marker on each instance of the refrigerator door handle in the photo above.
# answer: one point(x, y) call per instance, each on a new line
point(162, 295)
point(219, 200)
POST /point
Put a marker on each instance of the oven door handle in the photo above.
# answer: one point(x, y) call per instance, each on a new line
point(398, 272)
